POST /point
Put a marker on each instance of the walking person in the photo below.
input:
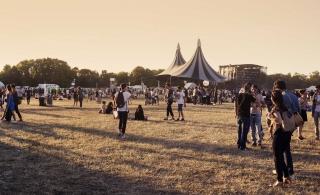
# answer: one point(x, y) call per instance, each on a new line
point(181, 100)
point(75, 97)
point(169, 99)
point(303, 101)
point(16, 101)
point(10, 107)
point(255, 116)
point(242, 109)
point(80, 94)
point(290, 100)
point(316, 110)
point(121, 100)
point(28, 96)
point(280, 140)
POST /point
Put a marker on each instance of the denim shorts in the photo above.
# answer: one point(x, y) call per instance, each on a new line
point(180, 106)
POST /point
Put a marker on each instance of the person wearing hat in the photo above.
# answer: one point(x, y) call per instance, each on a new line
point(316, 110)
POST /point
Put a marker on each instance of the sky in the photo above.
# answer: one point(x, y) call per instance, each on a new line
point(283, 35)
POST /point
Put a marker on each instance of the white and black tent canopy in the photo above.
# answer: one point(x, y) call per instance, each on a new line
point(177, 62)
point(197, 68)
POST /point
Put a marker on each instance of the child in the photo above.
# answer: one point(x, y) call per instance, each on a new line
point(181, 102)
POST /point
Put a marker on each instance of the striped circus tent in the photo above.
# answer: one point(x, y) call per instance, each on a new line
point(177, 62)
point(198, 68)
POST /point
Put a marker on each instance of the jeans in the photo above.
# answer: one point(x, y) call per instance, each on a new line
point(243, 129)
point(316, 116)
point(123, 117)
point(279, 145)
point(16, 108)
point(287, 152)
point(255, 123)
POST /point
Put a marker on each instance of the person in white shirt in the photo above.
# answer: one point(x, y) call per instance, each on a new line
point(181, 102)
point(121, 101)
point(255, 116)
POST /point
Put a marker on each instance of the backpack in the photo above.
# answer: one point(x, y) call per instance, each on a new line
point(288, 121)
point(120, 100)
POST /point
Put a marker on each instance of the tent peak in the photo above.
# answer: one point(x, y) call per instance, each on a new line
point(178, 46)
point(199, 43)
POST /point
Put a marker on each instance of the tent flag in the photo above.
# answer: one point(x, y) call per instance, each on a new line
point(178, 61)
point(198, 68)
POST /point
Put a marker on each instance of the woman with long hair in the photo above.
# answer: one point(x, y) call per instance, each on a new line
point(280, 142)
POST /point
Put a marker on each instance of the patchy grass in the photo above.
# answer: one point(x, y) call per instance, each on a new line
point(62, 149)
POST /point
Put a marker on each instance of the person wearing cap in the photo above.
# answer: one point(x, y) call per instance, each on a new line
point(316, 110)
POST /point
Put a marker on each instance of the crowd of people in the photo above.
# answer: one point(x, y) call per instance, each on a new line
point(286, 112)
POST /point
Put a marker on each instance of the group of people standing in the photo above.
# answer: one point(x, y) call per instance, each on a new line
point(283, 107)
point(78, 96)
point(10, 96)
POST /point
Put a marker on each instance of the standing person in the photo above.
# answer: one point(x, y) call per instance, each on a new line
point(255, 116)
point(16, 101)
point(8, 113)
point(181, 100)
point(316, 110)
point(80, 94)
point(75, 97)
point(280, 140)
point(303, 100)
point(28, 96)
point(121, 100)
point(242, 108)
point(269, 105)
point(195, 95)
point(290, 100)
point(169, 99)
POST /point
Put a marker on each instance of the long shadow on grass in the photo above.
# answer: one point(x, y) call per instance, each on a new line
point(29, 172)
point(186, 145)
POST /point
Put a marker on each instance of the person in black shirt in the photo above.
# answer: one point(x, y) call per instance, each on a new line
point(16, 101)
point(242, 108)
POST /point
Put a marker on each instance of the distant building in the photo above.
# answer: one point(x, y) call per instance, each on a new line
point(242, 72)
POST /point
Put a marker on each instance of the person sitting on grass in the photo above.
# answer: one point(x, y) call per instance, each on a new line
point(103, 109)
point(109, 109)
point(139, 114)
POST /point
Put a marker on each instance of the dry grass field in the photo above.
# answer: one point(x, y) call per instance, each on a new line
point(66, 150)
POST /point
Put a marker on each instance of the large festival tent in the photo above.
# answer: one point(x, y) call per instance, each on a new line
point(2, 85)
point(177, 62)
point(197, 68)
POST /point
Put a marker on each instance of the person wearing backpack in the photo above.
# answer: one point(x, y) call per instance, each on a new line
point(16, 101)
point(169, 96)
point(121, 101)
point(280, 141)
point(291, 103)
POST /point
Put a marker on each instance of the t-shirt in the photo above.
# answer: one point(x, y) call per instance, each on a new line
point(256, 106)
point(126, 96)
point(180, 96)
point(317, 103)
point(244, 103)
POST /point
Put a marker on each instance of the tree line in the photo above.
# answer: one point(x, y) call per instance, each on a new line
point(48, 70)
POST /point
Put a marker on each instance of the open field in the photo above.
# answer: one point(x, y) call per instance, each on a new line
point(62, 149)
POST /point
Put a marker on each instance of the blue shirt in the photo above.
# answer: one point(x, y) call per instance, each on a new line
point(290, 100)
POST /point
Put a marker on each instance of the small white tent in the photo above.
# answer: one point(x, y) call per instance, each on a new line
point(2, 85)
point(311, 88)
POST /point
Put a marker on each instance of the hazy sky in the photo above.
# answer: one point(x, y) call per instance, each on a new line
point(118, 35)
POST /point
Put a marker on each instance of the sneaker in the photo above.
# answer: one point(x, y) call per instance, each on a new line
point(277, 184)
point(254, 144)
point(292, 177)
point(123, 137)
point(176, 119)
point(182, 119)
point(301, 138)
point(165, 119)
point(274, 172)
